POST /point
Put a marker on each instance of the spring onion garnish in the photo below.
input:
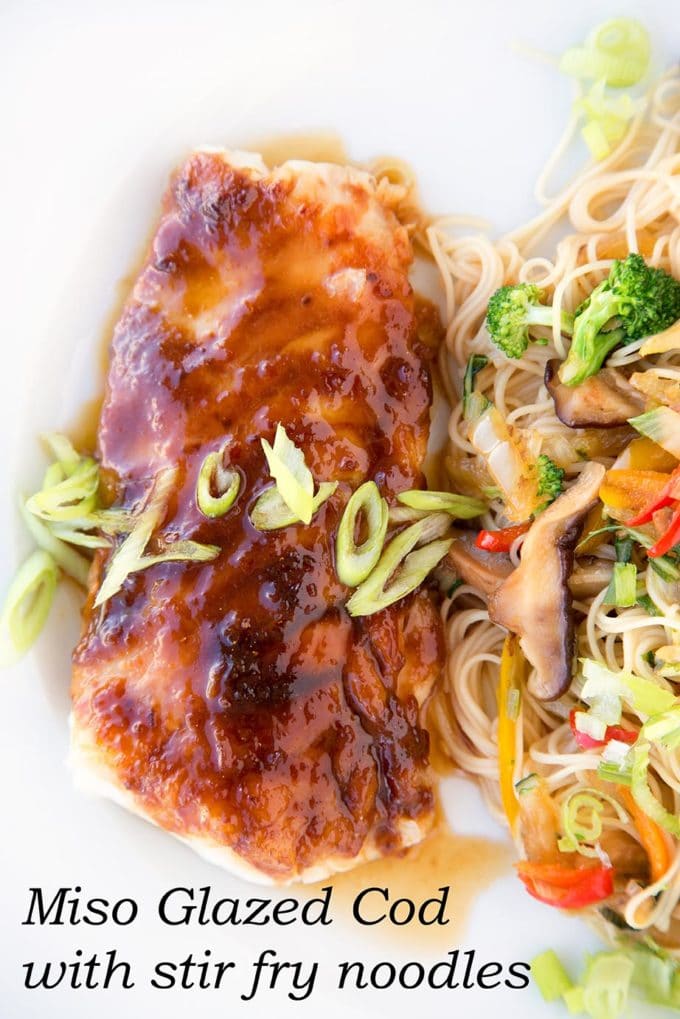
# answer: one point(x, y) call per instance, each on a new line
point(606, 984)
point(661, 425)
point(404, 515)
point(643, 795)
point(581, 833)
point(401, 570)
point(270, 512)
point(27, 605)
point(71, 562)
point(461, 506)
point(664, 729)
point(354, 562)
point(550, 976)
point(292, 475)
point(617, 52)
point(657, 974)
point(129, 557)
point(69, 491)
point(644, 695)
point(622, 590)
point(606, 118)
point(214, 477)
point(590, 725)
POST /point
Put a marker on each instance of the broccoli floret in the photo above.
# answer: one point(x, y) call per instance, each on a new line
point(474, 403)
point(513, 311)
point(641, 300)
point(549, 478)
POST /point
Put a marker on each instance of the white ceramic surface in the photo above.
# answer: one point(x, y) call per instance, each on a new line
point(99, 101)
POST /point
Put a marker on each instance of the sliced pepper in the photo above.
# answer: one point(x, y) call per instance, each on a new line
point(651, 836)
point(668, 494)
point(632, 489)
point(511, 673)
point(586, 742)
point(502, 540)
point(566, 887)
point(645, 454)
point(669, 538)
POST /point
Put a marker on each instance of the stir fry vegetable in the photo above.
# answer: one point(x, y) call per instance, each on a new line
point(514, 311)
point(643, 300)
point(566, 887)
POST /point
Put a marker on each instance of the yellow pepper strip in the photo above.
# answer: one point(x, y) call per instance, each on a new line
point(651, 836)
point(509, 687)
point(644, 454)
point(631, 489)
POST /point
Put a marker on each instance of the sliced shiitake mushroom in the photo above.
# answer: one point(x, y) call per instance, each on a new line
point(483, 570)
point(535, 601)
point(605, 400)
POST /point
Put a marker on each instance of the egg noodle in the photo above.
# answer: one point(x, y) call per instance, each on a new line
point(629, 202)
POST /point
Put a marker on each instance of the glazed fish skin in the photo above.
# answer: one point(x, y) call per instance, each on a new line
point(235, 703)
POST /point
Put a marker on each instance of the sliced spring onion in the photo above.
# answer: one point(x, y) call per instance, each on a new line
point(62, 449)
point(661, 425)
point(606, 984)
point(582, 833)
point(215, 477)
point(129, 557)
point(664, 729)
point(617, 752)
point(622, 590)
point(270, 512)
point(75, 536)
point(607, 118)
point(403, 515)
point(354, 562)
point(607, 708)
point(590, 725)
point(461, 506)
point(400, 569)
point(550, 976)
point(610, 772)
point(644, 695)
point(618, 52)
point(657, 975)
point(73, 495)
point(292, 475)
point(643, 795)
point(71, 562)
point(27, 605)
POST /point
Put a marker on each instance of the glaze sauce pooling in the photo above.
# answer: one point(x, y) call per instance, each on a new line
point(236, 701)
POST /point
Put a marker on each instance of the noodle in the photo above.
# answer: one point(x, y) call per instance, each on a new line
point(629, 202)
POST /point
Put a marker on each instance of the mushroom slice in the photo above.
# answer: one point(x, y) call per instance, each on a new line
point(483, 570)
point(605, 400)
point(535, 601)
point(590, 576)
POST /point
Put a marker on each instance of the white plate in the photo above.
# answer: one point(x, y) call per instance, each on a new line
point(100, 100)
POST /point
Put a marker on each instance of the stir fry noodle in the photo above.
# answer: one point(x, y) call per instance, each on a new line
point(628, 203)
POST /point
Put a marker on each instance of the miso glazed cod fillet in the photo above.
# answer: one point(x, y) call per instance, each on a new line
point(235, 702)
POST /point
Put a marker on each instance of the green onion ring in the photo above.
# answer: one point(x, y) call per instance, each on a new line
point(353, 562)
point(213, 474)
point(27, 605)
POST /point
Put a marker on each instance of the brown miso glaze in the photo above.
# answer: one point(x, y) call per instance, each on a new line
point(236, 700)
